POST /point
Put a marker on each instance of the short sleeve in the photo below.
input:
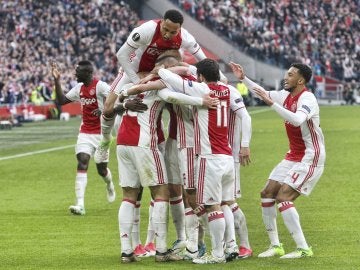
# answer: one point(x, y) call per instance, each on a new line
point(142, 35)
point(307, 104)
point(74, 93)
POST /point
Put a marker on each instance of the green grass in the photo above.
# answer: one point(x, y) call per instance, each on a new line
point(37, 232)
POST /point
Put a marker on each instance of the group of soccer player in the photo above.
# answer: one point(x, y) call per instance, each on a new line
point(196, 169)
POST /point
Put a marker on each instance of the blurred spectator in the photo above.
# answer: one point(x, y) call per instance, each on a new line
point(34, 32)
point(322, 34)
point(348, 94)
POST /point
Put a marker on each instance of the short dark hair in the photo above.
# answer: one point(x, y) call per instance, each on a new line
point(304, 70)
point(86, 65)
point(174, 15)
point(209, 69)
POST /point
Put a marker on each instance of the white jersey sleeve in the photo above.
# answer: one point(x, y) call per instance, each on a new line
point(189, 43)
point(237, 105)
point(74, 93)
point(179, 98)
point(139, 37)
point(102, 91)
point(178, 84)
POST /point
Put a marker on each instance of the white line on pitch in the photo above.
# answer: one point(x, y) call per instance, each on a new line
point(37, 152)
point(260, 111)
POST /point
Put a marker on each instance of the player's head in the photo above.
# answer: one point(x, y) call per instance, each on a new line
point(171, 24)
point(169, 58)
point(84, 71)
point(298, 75)
point(207, 70)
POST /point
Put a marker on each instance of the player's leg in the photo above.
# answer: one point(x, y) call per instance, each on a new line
point(241, 229)
point(297, 182)
point(105, 173)
point(80, 184)
point(175, 193)
point(150, 237)
point(139, 249)
point(269, 211)
point(210, 193)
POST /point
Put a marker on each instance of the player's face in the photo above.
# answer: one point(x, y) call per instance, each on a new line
point(291, 79)
point(169, 29)
point(82, 73)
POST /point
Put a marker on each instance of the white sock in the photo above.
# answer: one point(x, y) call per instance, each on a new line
point(80, 186)
point(159, 217)
point(135, 232)
point(292, 223)
point(240, 225)
point(192, 229)
point(106, 127)
point(126, 220)
point(269, 215)
point(108, 177)
point(217, 232)
point(150, 238)
point(178, 215)
point(230, 239)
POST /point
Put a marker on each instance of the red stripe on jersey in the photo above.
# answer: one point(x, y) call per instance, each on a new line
point(172, 121)
point(116, 81)
point(159, 169)
point(152, 124)
point(201, 180)
point(190, 162)
point(234, 209)
point(180, 126)
point(314, 139)
point(197, 147)
point(189, 213)
point(231, 134)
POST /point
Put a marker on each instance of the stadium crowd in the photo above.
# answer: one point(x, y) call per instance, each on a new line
point(322, 34)
point(34, 32)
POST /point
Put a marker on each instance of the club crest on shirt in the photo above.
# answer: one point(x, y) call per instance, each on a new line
point(92, 91)
point(190, 83)
point(293, 107)
point(306, 108)
point(135, 37)
point(237, 100)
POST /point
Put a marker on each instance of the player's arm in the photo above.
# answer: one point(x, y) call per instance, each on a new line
point(176, 83)
point(138, 37)
point(182, 99)
point(60, 97)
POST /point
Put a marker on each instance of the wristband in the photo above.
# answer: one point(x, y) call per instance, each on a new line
point(124, 105)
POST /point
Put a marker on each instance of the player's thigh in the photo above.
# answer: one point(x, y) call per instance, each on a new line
point(120, 81)
point(172, 162)
point(150, 165)
point(209, 179)
point(187, 167)
point(128, 175)
point(87, 143)
point(303, 177)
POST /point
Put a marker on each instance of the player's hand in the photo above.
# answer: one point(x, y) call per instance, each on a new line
point(55, 70)
point(97, 112)
point(263, 95)
point(135, 105)
point(210, 102)
point(237, 70)
point(244, 156)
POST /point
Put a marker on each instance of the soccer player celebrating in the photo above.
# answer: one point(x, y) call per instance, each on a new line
point(303, 165)
point(91, 93)
point(139, 53)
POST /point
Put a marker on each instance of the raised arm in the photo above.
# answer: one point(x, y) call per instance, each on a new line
point(60, 97)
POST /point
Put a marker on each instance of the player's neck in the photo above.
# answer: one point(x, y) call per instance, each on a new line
point(297, 90)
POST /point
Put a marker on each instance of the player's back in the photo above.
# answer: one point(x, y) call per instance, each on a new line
point(140, 129)
point(213, 124)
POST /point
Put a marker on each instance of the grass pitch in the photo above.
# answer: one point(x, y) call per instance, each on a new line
point(37, 231)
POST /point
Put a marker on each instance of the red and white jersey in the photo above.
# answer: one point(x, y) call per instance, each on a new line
point(307, 140)
point(146, 39)
point(239, 126)
point(213, 124)
point(141, 129)
point(91, 98)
